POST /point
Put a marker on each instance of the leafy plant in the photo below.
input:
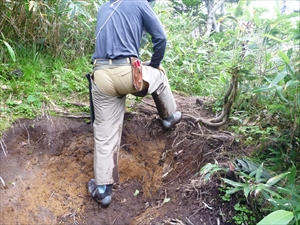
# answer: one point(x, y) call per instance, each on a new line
point(243, 214)
point(281, 191)
point(286, 203)
point(34, 99)
point(268, 106)
point(47, 83)
point(10, 50)
point(61, 27)
point(281, 217)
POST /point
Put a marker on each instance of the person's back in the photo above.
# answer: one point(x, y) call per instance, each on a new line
point(120, 25)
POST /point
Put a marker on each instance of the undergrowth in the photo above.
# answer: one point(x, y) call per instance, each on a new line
point(38, 82)
point(43, 70)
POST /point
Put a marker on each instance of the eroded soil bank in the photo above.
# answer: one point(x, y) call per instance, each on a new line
point(49, 161)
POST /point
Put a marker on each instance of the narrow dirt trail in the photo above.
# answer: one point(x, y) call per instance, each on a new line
point(50, 160)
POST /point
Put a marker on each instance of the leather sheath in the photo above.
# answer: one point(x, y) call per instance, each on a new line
point(137, 75)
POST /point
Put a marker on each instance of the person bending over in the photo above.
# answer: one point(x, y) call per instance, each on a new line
point(117, 71)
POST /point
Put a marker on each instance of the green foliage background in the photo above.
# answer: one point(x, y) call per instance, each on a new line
point(46, 48)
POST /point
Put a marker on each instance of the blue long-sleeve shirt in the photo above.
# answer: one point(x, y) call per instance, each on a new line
point(119, 30)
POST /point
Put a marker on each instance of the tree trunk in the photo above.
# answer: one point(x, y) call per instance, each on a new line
point(209, 5)
point(222, 13)
point(283, 8)
point(211, 21)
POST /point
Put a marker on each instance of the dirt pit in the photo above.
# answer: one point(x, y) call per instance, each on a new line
point(48, 161)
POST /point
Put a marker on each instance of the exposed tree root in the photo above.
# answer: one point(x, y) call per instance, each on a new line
point(219, 136)
point(229, 99)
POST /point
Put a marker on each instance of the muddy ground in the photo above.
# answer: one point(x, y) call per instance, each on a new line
point(49, 161)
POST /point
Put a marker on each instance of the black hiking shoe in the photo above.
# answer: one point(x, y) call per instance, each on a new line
point(172, 120)
point(101, 193)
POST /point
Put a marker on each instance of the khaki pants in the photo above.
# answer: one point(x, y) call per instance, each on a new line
point(109, 84)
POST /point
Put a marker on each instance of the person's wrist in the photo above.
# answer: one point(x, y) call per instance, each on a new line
point(154, 65)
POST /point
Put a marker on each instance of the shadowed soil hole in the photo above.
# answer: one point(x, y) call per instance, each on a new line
point(50, 160)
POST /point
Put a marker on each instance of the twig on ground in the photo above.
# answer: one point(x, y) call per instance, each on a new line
point(199, 126)
point(3, 182)
point(77, 117)
point(27, 134)
point(174, 140)
point(188, 220)
point(167, 173)
point(52, 194)
point(78, 104)
point(222, 215)
point(212, 151)
point(180, 142)
point(74, 217)
point(52, 103)
point(3, 147)
point(149, 104)
point(69, 115)
point(207, 205)
point(39, 139)
point(176, 222)
point(176, 176)
point(198, 195)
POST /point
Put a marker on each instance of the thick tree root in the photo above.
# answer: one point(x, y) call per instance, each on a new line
point(229, 99)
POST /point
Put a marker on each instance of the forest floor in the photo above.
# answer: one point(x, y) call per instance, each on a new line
point(47, 162)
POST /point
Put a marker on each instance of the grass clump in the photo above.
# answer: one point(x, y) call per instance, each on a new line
point(36, 83)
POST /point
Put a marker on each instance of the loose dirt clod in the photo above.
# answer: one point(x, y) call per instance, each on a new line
point(49, 161)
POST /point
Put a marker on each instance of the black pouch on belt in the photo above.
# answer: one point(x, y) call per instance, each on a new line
point(137, 75)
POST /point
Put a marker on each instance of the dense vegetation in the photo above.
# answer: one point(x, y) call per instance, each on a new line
point(46, 48)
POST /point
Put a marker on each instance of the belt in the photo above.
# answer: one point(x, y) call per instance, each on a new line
point(111, 61)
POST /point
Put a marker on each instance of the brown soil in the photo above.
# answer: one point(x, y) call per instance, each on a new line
point(50, 160)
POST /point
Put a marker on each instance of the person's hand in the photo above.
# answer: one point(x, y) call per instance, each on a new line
point(147, 63)
point(161, 69)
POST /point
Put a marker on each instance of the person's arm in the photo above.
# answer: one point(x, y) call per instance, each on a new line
point(159, 40)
